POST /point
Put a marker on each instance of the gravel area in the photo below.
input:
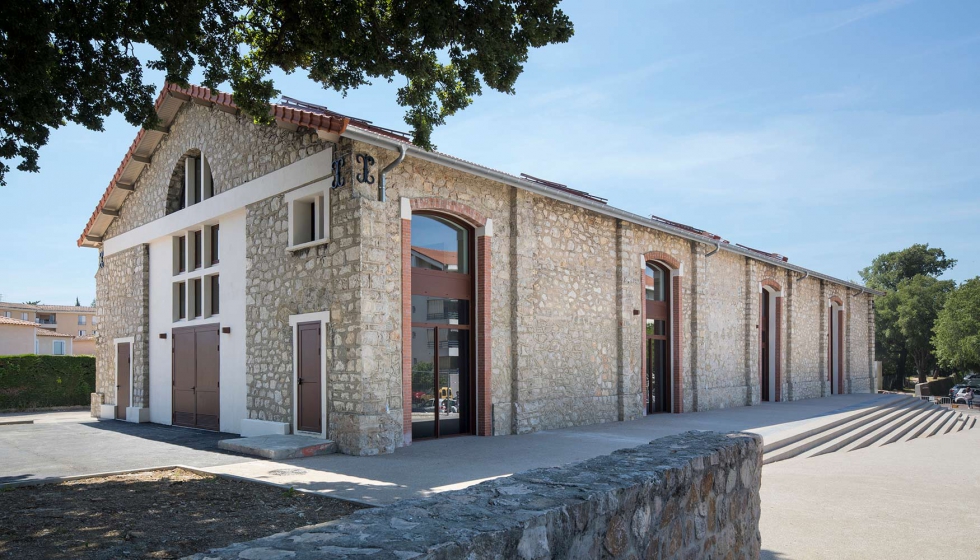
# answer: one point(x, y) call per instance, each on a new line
point(154, 514)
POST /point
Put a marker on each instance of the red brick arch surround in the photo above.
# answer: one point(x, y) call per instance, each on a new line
point(484, 420)
point(675, 328)
point(778, 363)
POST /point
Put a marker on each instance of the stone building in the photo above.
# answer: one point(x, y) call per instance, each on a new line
point(325, 276)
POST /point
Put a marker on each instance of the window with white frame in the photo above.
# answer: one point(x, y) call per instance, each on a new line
point(191, 182)
point(23, 316)
point(6, 314)
point(309, 215)
point(81, 319)
point(59, 348)
point(81, 333)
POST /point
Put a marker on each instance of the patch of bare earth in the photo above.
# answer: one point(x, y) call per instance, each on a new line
point(156, 514)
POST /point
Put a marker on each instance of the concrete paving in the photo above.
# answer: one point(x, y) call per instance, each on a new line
point(60, 444)
point(279, 446)
point(916, 500)
point(447, 464)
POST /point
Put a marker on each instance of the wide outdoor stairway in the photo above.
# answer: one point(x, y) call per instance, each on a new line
point(896, 420)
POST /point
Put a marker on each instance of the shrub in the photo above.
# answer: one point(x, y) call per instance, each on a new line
point(32, 381)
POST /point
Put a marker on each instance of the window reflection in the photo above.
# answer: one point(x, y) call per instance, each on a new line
point(445, 311)
point(439, 244)
point(653, 280)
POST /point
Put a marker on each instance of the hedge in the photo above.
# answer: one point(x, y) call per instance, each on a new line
point(32, 381)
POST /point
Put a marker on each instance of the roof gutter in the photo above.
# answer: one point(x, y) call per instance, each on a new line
point(604, 209)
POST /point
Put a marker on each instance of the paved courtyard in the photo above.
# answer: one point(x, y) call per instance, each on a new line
point(908, 500)
point(73, 443)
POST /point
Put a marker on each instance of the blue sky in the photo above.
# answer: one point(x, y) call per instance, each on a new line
point(826, 131)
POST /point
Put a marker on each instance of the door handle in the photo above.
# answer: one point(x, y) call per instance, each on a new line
point(300, 381)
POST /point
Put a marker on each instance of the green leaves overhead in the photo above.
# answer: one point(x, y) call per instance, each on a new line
point(63, 61)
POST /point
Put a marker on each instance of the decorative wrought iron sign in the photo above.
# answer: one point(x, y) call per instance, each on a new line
point(368, 162)
point(338, 177)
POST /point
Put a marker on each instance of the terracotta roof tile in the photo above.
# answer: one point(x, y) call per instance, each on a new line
point(45, 332)
point(315, 120)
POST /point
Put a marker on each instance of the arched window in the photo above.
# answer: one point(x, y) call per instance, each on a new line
point(190, 183)
point(658, 349)
point(439, 244)
point(443, 385)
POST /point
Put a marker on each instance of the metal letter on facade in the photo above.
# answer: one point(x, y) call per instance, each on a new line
point(368, 162)
point(338, 166)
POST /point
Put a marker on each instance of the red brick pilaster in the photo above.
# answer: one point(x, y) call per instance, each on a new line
point(678, 352)
point(484, 414)
point(407, 330)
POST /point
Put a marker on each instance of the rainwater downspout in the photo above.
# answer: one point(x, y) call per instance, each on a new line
point(804, 276)
point(392, 165)
point(713, 251)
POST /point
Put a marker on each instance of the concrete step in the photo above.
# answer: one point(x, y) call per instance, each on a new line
point(915, 429)
point(948, 417)
point(900, 426)
point(962, 425)
point(839, 420)
point(899, 415)
point(952, 425)
point(973, 423)
point(823, 436)
point(910, 421)
point(280, 446)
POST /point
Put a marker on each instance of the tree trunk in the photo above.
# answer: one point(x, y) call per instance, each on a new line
point(903, 359)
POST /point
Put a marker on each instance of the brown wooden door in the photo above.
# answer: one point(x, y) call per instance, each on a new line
point(207, 345)
point(196, 368)
point(185, 377)
point(764, 344)
point(308, 378)
point(657, 337)
point(123, 380)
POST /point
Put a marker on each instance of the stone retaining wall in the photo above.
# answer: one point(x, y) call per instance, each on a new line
point(693, 495)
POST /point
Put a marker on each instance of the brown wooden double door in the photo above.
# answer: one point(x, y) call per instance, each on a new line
point(196, 368)
point(309, 385)
point(123, 379)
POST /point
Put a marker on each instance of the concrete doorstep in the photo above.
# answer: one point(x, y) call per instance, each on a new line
point(279, 446)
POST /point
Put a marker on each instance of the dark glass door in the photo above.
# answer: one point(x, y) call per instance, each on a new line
point(443, 388)
point(657, 339)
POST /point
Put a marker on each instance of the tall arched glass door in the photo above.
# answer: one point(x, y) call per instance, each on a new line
point(443, 385)
point(656, 282)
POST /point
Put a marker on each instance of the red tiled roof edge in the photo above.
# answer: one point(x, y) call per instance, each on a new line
point(336, 125)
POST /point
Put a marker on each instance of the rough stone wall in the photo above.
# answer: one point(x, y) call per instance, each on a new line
point(572, 344)
point(859, 367)
point(726, 308)
point(122, 307)
point(694, 495)
point(277, 284)
point(806, 360)
point(236, 149)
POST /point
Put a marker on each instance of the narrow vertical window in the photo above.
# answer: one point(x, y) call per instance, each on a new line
point(198, 248)
point(214, 295)
point(198, 294)
point(182, 300)
point(214, 244)
point(181, 254)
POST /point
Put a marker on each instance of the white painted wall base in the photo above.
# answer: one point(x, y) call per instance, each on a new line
point(137, 414)
point(107, 412)
point(252, 427)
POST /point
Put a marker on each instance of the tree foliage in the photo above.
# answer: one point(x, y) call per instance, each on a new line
point(957, 329)
point(893, 330)
point(889, 269)
point(74, 61)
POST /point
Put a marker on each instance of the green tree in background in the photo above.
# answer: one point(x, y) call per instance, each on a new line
point(889, 269)
point(957, 329)
point(75, 62)
point(894, 329)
